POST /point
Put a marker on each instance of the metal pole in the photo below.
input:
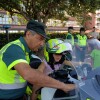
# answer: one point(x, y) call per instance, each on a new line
point(7, 35)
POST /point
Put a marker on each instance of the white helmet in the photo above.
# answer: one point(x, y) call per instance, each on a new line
point(69, 46)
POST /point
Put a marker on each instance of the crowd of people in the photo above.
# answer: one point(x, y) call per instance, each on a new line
point(80, 41)
point(20, 67)
point(15, 70)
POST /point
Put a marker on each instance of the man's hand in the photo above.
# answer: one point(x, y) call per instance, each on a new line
point(69, 87)
point(37, 78)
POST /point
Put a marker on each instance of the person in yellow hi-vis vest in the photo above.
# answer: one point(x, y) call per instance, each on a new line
point(15, 70)
point(80, 45)
point(69, 36)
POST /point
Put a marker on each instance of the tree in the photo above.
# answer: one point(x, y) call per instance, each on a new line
point(42, 10)
point(80, 9)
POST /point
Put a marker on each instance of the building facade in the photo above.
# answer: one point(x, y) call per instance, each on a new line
point(97, 22)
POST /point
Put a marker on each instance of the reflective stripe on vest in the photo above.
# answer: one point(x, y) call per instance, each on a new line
point(13, 86)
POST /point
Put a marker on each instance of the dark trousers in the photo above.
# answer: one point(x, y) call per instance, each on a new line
point(21, 98)
point(80, 54)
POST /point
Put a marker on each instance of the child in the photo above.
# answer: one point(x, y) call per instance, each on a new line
point(94, 50)
point(54, 53)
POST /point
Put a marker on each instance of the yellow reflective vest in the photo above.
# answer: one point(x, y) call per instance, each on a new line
point(82, 40)
point(10, 79)
point(70, 40)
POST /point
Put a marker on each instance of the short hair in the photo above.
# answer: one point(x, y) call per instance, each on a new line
point(82, 29)
point(70, 27)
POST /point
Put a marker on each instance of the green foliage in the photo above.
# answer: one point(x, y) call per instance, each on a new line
point(12, 36)
point(42, 10)
point(80, 8)
point(57, 35)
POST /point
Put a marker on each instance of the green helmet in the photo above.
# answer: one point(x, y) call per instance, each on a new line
point(54, 46)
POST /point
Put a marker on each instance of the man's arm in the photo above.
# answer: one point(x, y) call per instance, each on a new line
point(41, 67)
point(37, 78)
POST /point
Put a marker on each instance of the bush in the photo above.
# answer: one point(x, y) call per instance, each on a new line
point(14, 36)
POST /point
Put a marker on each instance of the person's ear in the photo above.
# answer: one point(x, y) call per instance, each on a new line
point(28, 33)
